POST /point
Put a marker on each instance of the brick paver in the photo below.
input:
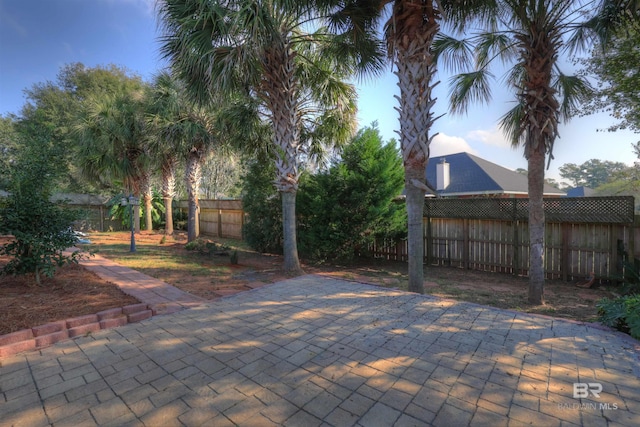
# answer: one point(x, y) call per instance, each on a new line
point(319, 351)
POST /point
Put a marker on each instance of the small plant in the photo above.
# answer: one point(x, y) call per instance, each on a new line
point(207, 247)
point(622, 313)
point(234, 258)
point(198, 245)
point(163, 240)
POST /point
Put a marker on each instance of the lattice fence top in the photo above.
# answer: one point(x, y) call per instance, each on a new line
point(618, 210)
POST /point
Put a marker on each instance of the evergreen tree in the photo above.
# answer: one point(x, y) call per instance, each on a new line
point(345, 208)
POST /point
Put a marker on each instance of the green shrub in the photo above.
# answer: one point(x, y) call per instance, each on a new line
point(262, 229)
point(342, 210)
point(41, 229)
point(622, 313)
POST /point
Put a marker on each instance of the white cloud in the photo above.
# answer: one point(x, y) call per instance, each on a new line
point(444, 144)
point(493, 137)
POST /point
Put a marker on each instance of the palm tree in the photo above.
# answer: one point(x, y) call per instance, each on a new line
point(112, 136)
point(535, 33)
point(187, 130)
point(164, 100)
point(410, 29)
point(272, 51)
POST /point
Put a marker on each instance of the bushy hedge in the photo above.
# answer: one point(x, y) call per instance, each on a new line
point(340, 210)
point(263, 228)
point(623, 313)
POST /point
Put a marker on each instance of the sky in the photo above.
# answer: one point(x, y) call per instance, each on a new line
point(38, 37)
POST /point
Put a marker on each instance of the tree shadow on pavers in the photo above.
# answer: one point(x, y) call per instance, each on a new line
point(325, 348)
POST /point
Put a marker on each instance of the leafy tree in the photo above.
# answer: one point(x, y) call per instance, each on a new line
point(221, 175)
point(265, 48)
point(41, 229)
point(615, 66)
point(591, 173)
point(55, 106)
point(624, 182)
point(533, 35)
point(8, 148)
point(345, 208)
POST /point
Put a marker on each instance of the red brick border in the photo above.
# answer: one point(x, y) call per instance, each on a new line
point(44, 335)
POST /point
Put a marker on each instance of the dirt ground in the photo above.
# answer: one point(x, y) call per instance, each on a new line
point(75, 291)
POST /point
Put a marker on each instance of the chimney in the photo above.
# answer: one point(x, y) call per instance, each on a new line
point(442, 175)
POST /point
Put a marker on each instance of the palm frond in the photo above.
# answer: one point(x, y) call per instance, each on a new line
point(511, 124)
point(494, 45)
point(573, 91)
point(468, 88)
point(454, 54)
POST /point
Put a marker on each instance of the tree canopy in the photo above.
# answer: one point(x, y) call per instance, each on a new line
point(591, 173)
point(615, 66)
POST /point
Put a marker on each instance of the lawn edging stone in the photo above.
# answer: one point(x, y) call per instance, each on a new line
point(45, 335)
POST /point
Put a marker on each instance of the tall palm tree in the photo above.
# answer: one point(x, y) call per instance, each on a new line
point(164, 105)
point(535, 33)
point(273, 51)
point(410, 28)
point(188, 131)
point(112, 135)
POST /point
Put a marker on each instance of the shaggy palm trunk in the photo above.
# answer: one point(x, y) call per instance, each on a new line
point(136, 215)
point(279, 90)
point(168, 193)
point(193, 184)
point(540, 126)
point(415, 70)
point(147, 198)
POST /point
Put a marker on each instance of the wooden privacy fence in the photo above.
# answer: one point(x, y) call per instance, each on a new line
point(582, 235)
point(222, 218)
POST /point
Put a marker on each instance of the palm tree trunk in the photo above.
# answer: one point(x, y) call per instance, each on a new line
point(415, 71)
point(280, 94)
point(291, 260)
point(536, 160)
point(147, 198)
point(168, 192)
point(168, 213)
point(136, 216)
point(193, 184)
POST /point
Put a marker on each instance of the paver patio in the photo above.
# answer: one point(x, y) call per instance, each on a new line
point(318, 351)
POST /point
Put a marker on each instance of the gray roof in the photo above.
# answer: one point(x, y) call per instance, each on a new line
point(471, 175)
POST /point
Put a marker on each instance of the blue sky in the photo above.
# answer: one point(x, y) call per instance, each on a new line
point(38, 37)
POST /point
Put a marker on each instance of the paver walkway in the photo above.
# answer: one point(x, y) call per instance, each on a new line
point(316, 351)
point(161, 296)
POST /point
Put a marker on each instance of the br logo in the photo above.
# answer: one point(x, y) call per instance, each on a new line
point(582, 390)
